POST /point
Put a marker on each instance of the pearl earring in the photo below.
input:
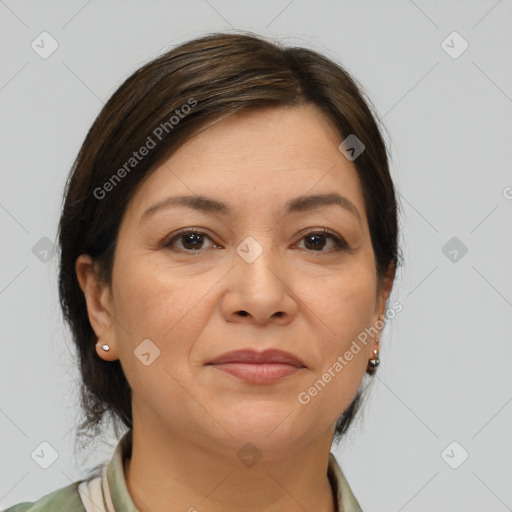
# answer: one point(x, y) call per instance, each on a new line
point(374, 362)
point(105, 347)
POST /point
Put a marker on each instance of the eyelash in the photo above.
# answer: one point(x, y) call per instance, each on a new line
point(339, 242)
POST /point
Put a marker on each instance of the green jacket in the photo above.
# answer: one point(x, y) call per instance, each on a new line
point(113, 494)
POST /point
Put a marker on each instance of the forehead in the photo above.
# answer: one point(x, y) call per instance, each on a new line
point(285, 135)
point(260, 157)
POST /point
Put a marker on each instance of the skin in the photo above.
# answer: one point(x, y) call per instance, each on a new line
point(189, 419)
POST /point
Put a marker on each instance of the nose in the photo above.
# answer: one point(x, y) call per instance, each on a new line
point(259, 291)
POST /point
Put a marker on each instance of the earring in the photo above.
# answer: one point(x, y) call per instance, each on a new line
point(373, 363)
point(105, 347)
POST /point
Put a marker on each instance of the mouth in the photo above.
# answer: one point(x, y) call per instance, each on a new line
point(258, 367)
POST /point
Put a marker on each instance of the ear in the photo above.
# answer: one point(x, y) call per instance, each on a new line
point(99, 306)
point(382, 295)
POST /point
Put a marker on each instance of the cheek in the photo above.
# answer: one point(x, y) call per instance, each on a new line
point(346, 304)
point(343, 357)
point(346, 310)
point(155, 304)
point(159, 303)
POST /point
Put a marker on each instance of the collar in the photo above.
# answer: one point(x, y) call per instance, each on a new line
point(115, 474)
point(345, 501)
point(121, 499)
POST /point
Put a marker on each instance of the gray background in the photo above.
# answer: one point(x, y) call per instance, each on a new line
point(446, 358)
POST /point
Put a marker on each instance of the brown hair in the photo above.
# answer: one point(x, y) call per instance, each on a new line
point(168, 100)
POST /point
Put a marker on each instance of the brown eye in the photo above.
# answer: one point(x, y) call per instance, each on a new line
point(316, 241)
point(189, 240)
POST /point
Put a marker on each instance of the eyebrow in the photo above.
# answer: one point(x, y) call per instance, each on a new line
point(295, 205)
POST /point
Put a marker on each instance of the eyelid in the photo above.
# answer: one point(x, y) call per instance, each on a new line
point(340, 242)
point(169, 240)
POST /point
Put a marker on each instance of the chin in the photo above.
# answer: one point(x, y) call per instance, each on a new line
point(266, 427)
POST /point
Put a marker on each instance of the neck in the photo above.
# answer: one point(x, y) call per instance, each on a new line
point(171, 473)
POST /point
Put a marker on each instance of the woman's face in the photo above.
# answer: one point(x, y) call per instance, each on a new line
point(255, 276)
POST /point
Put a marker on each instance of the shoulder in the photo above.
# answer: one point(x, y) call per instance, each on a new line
point(65, 499)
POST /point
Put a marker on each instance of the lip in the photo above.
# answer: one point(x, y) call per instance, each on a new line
point(258, 367)
point(250, 356)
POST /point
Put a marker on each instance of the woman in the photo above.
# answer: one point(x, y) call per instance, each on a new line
point(228, 247)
